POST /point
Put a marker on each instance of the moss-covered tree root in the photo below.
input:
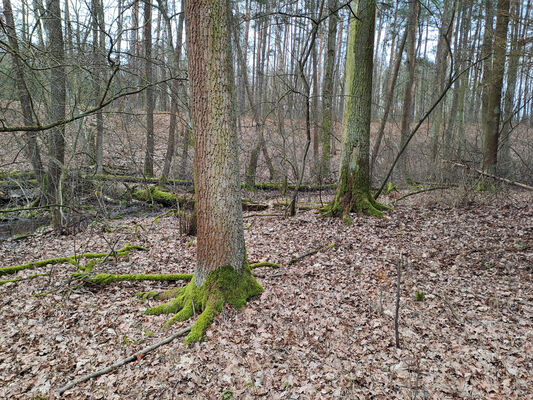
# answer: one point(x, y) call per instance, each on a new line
point(74, 260)
point(264, 264)
point(224, 285)
point(361, 202)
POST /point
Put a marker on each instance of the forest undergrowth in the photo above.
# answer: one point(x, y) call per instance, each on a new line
point(322, 328)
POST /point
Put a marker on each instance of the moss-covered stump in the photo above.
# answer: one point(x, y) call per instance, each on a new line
point(224, 285)
point(74, 260)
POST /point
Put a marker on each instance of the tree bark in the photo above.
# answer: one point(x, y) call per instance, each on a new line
point(148, 71)
point(492, 126)
point(353, 188)
point(32, 147)
point(57, 110)
point(412, 24)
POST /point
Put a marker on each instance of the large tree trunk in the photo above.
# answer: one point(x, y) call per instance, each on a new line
point(222, 274)
point(57, 110)
point(353, 189)
point(492, 125)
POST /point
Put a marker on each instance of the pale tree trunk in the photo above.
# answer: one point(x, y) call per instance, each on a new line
point(98, 64)
point(441, 66)
point(412, 24)
point(32, 147)
point(175, 90)
point(492, 125)
point(326, 130)
point(57, 110)
point(388, 100)
point(148, 71)
point(353, 189)
point(509, 103)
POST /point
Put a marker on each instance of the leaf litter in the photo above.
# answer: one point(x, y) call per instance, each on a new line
point(324, 326)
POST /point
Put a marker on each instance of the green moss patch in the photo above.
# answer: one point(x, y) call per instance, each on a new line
point(224, 285)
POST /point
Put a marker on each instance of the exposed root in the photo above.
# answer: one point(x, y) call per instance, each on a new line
point(225, 285)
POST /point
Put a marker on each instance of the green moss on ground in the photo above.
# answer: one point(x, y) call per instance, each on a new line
point(225, 285)
point(23, 279)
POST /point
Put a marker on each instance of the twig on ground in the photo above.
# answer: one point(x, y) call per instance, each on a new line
point(422, 191)
point(310, 253)
point(452, 310)
point(397, 313)
point(122, 362)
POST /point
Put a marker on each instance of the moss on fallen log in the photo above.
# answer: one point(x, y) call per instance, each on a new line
point(104, 278)
point(74, 260)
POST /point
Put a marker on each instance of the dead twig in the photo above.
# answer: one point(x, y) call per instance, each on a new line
point(397, 313)
point(498, 178)
point(133, 357)
point(310, 253)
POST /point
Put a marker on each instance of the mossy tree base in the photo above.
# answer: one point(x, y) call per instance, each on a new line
point(225, 285)
point(358, 201)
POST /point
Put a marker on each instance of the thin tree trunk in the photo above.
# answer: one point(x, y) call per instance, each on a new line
point(32, 147)
point(147, 38)
point(409, 86)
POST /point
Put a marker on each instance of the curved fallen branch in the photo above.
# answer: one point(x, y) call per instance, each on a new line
point(310, 253)
point(70, 259)
point(136, 356)
point(499, 178)
point(423, 191)
point(104, 278)
point(264, 264)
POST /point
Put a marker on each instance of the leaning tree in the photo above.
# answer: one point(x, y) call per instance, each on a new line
point(222, 274)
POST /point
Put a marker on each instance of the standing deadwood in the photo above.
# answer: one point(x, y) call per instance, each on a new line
point(492, 125)
point(412, 24)
point(222, 274)
point(32, 147)
point(441, 66)
point(148, 71)
point(57, 110)
point(326, 128)
point(353, 188)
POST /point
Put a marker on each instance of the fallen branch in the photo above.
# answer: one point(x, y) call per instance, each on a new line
point(480, 172)
point(136, 356)
point(451, 308)
point(397, 311)
point(310, 253)
point(104, 278)
point(70, 259)
point(264, 264)
point(422, 191)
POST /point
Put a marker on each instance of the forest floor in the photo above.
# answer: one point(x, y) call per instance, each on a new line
point(322, 329)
